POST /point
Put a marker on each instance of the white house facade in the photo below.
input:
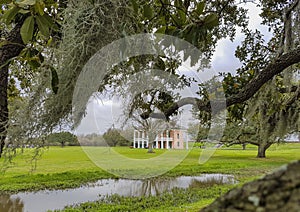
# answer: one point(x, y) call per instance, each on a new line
point(167, 139)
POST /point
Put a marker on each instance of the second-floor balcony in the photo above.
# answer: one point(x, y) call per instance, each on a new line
point(165, 139)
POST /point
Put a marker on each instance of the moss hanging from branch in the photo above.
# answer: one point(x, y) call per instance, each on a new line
point(87, 27)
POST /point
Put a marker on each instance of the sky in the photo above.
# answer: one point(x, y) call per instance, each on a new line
point(101, 115)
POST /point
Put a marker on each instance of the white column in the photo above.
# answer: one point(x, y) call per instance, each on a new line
point(143, 139)
point(161, 141)
point(138, 139)
point(156, 142)
point(134, 138)
point(167, 132)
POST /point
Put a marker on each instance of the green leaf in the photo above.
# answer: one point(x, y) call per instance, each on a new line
point(48, 20)
point(34, 63)
point(148, 11)
point(135, 6)
point(43, 26)
point(251, 72)
point(26, 3)
point(22, 11)
point(200, 8)
point(182, 16)
point(189, 33)
point(49, 42)
point(170, 30)
point(27, 29)
point(5, 1)
point(178, 3)
point(33, 57)
point(161, 30)
point(54, 80)
point(211, 21)
point(176, 19)
point(39, 8)
point(31, 53)
point(10, 14)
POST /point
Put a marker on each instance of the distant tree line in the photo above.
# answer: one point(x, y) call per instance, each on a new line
point(112, 137)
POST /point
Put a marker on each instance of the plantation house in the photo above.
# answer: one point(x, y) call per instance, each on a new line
point(166, 139)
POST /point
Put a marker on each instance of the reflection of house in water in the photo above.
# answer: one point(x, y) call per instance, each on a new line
point(10, 204)
point(167, 139)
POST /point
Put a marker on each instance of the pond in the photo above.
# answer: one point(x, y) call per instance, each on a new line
point(58, 199)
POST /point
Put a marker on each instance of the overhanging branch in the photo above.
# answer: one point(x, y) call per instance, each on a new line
point(280, 64)
point(277, 66)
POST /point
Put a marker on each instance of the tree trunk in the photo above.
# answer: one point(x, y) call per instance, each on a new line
point(150, 149)
point(261, 151)
point(7, 52)
point(244, 146)
point(151, 136)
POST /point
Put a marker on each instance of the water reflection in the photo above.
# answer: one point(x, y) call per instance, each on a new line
point(8, 204)
point(50, 200)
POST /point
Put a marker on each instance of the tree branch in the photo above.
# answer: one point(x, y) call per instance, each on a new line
point(280, 64)
point(8, 51)
point(277, 66)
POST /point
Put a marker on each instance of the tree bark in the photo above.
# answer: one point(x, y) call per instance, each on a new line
point(8, 51)
point(244, 146)
point(261, 150)
point(151, 138)
point(3, 106)
point(279, 191)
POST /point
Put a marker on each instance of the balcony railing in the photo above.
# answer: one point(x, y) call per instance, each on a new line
point(165, 139)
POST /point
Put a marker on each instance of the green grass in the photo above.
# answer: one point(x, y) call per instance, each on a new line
point(57, 168)
point(69, 167)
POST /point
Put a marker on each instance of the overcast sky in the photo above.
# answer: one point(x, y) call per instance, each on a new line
point(101, 115)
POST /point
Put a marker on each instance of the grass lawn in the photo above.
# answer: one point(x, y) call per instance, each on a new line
point(70, 167)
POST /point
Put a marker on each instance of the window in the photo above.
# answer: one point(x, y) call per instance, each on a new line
point(177, 135)
point(178, 144)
